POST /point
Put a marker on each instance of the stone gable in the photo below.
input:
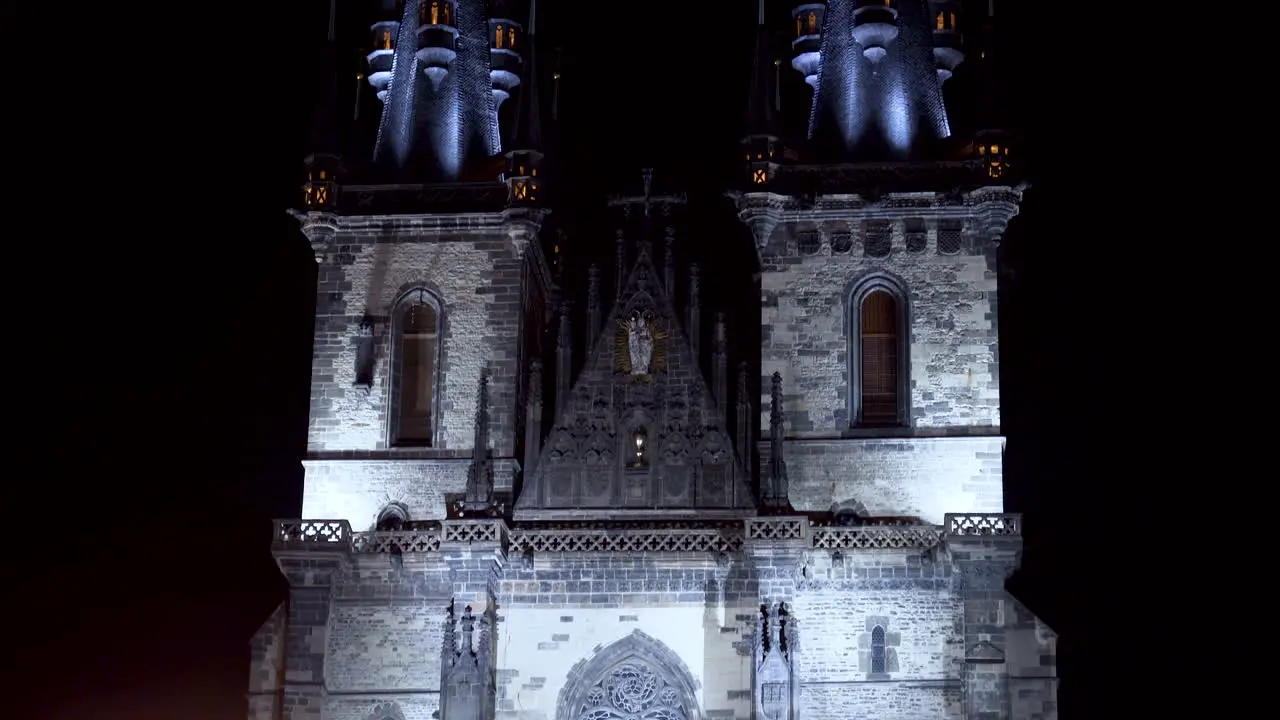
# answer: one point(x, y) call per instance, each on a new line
point(589, 465)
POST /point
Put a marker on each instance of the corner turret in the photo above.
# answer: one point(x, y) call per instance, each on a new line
point(947, 40)
point(993, 141)
point(437, 39)
point(806, 48)
point(762, 144)
point(525, 153)
point(384, 34)
point(324, 160)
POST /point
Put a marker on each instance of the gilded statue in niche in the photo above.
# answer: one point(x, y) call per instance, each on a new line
point(639, 347)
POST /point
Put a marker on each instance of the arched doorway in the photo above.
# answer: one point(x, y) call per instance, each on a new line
point(635, 677)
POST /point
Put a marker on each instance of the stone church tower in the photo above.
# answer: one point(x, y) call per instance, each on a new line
point(495, 529)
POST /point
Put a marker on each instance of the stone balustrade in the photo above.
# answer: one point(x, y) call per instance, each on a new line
point(637, 537)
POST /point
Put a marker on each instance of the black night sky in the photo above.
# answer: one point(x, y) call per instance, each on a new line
point(143, 543)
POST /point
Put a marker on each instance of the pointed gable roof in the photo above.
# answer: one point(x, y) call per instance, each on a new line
point(587, 468)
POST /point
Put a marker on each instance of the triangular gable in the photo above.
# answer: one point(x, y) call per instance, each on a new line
point(588, 466)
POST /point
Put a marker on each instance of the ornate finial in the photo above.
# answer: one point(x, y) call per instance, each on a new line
point(479, 497)
point(719, 333)
point(468, 631)
point(648, 181)
point(775, 397)
point(742, 382)
point(694, 279)
point(450, 633)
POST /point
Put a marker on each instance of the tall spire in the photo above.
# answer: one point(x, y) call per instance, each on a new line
point(993, 137)
point(761, 146)
point(761, 113)
point(528, 124)
point(524, 186)
point(323, 147)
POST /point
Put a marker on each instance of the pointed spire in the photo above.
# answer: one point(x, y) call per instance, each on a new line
point(479, 498)
point(993, 137)
point(776, 493)
point(761, 114)
point(528, 121)
point(761, 143)
point(323, 161)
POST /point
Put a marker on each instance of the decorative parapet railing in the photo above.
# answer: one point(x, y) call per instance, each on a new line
point(976, 524)
point(602, 539)
point(635, 537)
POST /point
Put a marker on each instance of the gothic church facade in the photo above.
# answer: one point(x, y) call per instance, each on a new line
point(524, 505)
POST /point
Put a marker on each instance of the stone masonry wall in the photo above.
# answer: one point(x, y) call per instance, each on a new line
point(570, 606)
point(805, 288)
point(473, 267)
point(476, 276)
point(386, 636)
point(266, 669)
point(924, 477)
point(839, 604)
point(383, 636)
point(357, 490)
point(1031, 659)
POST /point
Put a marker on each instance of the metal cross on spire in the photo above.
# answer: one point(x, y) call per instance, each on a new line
point(648, 200)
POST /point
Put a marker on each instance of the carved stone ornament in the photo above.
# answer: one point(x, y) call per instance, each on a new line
point(640, 345)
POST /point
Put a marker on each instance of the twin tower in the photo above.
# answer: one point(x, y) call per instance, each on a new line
point(444, 71)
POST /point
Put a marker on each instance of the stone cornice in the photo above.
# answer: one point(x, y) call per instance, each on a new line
point(993, 206)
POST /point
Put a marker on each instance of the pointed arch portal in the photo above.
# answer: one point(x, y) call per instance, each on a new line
point(635, 678)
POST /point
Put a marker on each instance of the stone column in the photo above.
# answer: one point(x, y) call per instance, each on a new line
point(983, 556)
point(312, 569)
point(475, 551)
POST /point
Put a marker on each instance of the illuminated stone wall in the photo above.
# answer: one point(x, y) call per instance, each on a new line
point(948, 458)
point(566, 617)
point(473, 266)
point(924, 477)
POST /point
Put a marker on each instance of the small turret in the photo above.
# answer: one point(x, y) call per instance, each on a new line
point(385, 35)
point(324, 162)
point(806, 48)
point(437, 39)
point(947, 40)
point(875, 26)
point(762, 146)
point(525, 154)
point(505, 43)
point(992, 142)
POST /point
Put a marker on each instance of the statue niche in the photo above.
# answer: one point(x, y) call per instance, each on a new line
point(640, 347)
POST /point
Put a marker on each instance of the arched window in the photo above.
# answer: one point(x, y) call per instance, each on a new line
point(813, 23)
point(415, 382)
point(877, 649)
point(436, 12)
point(879, 354)
point(499, 36)
point(392, 518)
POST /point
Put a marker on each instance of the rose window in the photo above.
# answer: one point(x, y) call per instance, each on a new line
point(633, 691)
